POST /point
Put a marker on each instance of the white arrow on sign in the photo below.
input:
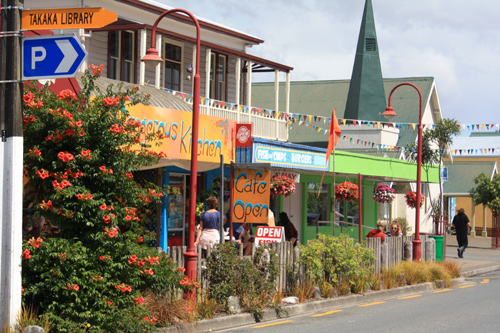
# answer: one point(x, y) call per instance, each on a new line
point(70, 56)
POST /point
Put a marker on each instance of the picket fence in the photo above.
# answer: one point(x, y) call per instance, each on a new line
point(393, 251)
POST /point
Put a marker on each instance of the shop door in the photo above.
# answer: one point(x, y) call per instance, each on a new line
point(292, 205)
point(176, 203)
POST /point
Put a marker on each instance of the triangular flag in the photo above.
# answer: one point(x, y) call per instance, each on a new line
point(333, 136)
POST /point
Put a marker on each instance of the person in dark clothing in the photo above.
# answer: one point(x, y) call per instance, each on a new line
point(462, 224)
point(291, 233)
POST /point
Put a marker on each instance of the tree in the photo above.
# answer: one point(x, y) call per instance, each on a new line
point(487, 192)
point(443, 133)
point(429, 155)
point(80, 152)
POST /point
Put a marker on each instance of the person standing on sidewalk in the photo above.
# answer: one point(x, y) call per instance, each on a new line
point(462, 224)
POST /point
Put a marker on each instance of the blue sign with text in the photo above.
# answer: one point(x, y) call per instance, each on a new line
point(289, 158)
point(51, 56)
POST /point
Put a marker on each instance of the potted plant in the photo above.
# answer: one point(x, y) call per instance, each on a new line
point(383, 193)
point(282, 185)
point(347, 191)
point(411, 199)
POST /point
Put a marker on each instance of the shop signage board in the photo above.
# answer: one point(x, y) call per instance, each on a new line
point(289, 158)
point(215, 135)
point(266, 234)
point(251, 193)
point(243, 135)
point(51, 56)
point(66, 18)
point(290, 174)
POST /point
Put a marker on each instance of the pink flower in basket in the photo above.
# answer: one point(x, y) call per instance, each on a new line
point(383, 193)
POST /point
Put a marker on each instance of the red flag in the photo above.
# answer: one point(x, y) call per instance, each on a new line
point(334, 131)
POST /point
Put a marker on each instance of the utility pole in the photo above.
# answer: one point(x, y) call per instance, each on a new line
point(11, 165)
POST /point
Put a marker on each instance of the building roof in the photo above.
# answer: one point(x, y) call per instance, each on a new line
point(319, 98)
point(476, 146)
point(157, 7)
point(461, 176)
point(158, 97)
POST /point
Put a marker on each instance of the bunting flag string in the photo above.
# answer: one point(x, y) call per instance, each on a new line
point(379, 146)
point(294, 117)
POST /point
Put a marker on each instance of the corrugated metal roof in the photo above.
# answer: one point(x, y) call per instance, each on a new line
point(461, 175)
point(319, 98)
point(159, 97)
point(468, 146)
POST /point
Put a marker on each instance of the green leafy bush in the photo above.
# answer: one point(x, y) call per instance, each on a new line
point(252, 280)
point(80, 152)
point(338, 261)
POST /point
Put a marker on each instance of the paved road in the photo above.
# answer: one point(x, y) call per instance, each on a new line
point(470, 307)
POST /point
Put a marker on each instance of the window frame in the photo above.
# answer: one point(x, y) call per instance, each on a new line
point(121, 61)
point(165, 60)
point(215, 83)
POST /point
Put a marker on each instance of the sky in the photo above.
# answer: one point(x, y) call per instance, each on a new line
point(455, 41)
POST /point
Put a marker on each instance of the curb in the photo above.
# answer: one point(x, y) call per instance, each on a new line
point(242, 319)
point(480, 271)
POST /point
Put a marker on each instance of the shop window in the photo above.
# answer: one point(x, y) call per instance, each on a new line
point(121, 62)
point(172, 67)
point(347, 211)
point(317, 206)
point(218, 76)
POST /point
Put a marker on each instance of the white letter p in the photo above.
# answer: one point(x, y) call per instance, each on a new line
point(40, 57)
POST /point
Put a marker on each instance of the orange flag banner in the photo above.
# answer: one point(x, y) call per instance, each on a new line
point(333, 136)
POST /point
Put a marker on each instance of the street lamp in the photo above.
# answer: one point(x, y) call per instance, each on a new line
point(152, 59)
point(389, 114)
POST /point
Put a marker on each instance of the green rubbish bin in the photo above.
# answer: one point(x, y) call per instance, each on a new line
point(439, 247)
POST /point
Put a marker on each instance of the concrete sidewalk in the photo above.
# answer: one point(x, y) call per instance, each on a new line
point(479, 257)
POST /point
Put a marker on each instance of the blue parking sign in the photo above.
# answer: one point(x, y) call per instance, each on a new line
point(51, 56)
point(444, 174)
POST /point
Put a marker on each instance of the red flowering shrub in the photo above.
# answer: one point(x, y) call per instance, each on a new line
point(411, 199)
point(346, 191)
point(78, 163)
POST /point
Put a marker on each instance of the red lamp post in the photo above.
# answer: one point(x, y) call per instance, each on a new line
point(152, 59)
point(389, 114)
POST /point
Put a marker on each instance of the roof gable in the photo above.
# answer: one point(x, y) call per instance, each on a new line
point(461, 175)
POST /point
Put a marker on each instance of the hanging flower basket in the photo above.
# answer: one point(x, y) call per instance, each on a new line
point(411, 199)
point(383, 193)
point(282, 185)
point(347, 191)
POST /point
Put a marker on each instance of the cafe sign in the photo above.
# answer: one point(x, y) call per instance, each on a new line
point(251, 193)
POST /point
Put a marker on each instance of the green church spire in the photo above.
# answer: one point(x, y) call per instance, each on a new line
point(366, 98)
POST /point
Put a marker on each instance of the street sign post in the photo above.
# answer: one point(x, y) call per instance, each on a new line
point(67, 18)
point(51, 56)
